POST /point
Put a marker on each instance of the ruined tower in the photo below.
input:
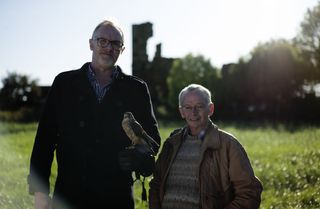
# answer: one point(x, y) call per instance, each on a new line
point(140, 35)
point(155, 73)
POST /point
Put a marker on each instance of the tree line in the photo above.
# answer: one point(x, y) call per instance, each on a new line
point(279, 80)
point(275, 83)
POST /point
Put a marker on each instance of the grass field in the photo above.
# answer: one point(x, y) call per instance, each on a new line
point(286, 159)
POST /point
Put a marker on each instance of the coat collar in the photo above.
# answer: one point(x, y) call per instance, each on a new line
point(82, 82)
point(211, 139)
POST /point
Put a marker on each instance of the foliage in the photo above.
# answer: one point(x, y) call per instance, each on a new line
point(271, 84)
point(187, 70)
point(285, 158)
point(266, 85)
point(308, 39)
point(17, 91)
point(20, 97)
point(231, 93)
point(276, 82)
point(275, 75)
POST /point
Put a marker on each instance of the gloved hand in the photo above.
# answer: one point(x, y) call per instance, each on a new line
point(138, 159)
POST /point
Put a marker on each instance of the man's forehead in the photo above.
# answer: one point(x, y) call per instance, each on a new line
point(195, 94)
point(109, 30)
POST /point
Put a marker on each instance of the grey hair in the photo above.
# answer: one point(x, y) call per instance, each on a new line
point(195, 87)
point(111, 23)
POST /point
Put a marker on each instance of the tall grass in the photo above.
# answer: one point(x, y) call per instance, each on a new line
point(285, 158)
point(15, 148)
point(287, 162)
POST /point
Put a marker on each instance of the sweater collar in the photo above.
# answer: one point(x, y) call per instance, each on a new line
point(210, 140)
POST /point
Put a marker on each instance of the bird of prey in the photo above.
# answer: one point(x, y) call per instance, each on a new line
point(136, 133)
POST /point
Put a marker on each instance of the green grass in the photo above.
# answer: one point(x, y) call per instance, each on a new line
point(15, 148)
point(285, 158)
point(287, 162)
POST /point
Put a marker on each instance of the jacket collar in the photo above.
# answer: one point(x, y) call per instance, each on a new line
point(211, 139)
point(117, 72)
point(82, 82)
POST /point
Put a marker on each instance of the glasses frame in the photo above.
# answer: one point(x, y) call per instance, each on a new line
point(197, 108)
point(113, 43)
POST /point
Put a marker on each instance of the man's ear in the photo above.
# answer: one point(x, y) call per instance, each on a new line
point(123, 48)
point(211, 109)
point(91, 44)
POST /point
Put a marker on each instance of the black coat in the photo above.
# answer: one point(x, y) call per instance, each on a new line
point(87, 137)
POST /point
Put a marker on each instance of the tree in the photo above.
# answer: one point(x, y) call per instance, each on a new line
point(232, 91)
point(275, 75)
point(18, 91)
point(187, 70)
point(308, 39)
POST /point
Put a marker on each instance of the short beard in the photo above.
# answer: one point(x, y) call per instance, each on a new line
point(106, 63)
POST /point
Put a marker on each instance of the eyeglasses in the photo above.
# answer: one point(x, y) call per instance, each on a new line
point(103, 42)
point(197, 108)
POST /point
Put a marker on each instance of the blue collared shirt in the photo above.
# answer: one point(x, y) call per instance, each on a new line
point(98, 89)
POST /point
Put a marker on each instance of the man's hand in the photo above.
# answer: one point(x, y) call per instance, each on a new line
point(42, 201)
point(139, 159)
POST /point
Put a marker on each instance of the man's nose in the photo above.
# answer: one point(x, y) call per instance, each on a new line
point(195, 109)
point(108, 46)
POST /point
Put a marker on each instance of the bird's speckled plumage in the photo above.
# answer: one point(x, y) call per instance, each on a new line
point(135, 132)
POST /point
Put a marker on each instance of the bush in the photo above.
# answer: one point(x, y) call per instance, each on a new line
point(24, 114)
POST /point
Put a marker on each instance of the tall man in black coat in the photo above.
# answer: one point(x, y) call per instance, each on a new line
point(81, 123)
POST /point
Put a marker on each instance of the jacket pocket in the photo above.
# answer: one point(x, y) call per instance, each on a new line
point(219, 199)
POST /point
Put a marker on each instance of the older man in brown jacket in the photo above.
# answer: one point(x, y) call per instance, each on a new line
point(201, 166)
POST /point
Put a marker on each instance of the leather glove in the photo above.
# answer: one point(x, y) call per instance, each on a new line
point(138, 159)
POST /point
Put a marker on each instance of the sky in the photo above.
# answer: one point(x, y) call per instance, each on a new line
point(41, 38)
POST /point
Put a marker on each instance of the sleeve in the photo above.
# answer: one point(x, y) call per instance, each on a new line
point(44, 146)
point(149, 122)
point(147, 119)
point(247, 187)
point(155, 183)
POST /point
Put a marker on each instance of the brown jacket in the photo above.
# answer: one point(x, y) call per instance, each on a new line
point(226, 178)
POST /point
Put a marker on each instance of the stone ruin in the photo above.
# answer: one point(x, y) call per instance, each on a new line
point(154, 72)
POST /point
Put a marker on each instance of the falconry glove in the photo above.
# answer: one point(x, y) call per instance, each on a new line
point(139, 159)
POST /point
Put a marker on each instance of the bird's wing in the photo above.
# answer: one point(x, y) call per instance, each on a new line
point(141, 133)
point(150, 140)
point(129, 132)
point(136, 127)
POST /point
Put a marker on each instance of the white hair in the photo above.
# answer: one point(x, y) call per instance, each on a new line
point(195, 87)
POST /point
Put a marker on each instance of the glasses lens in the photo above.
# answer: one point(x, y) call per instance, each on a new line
point(197, 108)
point(102, 42)
point(116, 44)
